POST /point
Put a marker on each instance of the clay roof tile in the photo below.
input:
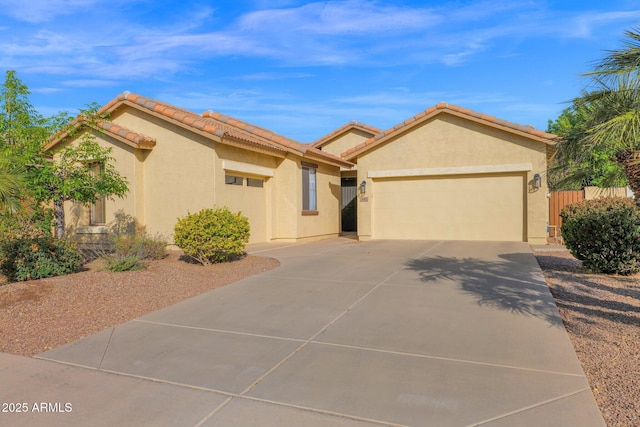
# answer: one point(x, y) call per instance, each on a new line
point(443, 107)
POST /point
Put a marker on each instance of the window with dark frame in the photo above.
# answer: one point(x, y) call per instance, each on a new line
point(233, 180)
point(255, 182)
point(309, 198)
point(98, 215)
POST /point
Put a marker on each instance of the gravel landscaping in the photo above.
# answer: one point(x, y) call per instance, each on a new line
point(602, 315)
point(39, 315)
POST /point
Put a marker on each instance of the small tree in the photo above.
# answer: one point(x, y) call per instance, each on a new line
point(72, 177)
point(11, 184)
point(24, 135)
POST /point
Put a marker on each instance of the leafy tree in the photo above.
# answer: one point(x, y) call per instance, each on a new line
point(20, 123)
point(11, 184)
point(24, 135)
point(574, 167)
point(612, 119)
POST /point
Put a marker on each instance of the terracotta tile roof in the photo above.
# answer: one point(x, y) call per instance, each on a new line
point(296, 147)
point(135, 139)
point(443, 107)
point(344, 129)
point(221, 128)
point(190, 120)
point(120, 133)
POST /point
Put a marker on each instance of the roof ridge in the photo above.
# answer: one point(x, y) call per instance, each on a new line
point(253, 129)
point(441, 107)
point(269, 135)
point(236, 129)
point(352, 124)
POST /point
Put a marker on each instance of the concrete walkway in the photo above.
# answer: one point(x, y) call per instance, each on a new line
point(341, 334)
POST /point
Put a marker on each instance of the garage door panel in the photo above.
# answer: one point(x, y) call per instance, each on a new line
point(479, 207)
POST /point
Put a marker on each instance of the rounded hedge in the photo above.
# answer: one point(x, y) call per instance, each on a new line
point(212, 235)
point(604, 234)
point(38, 257)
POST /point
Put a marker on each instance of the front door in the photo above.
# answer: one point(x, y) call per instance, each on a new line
point(349, 204)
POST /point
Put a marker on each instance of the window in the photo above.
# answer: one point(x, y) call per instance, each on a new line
point(99, 207)
point(233, 180)
point(254, 182)
point(309, 188)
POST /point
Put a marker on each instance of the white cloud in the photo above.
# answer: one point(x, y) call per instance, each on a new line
point(327, 33)
point(89, 83)
point(36, 11)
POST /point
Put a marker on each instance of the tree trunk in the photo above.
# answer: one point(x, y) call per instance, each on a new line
point(58, 216)
point(630, 160)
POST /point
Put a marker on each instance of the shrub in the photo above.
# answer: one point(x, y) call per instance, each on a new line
point(38, 257)
point(142, 245)
point(604, 234)
point(131, 252)
point(212, 235)
point(26, 223)
point(120, 263)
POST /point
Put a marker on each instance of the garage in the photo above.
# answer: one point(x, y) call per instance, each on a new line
point(450, 173)
point(459, 207)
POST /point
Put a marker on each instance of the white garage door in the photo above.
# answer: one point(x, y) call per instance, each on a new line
point(461, 207)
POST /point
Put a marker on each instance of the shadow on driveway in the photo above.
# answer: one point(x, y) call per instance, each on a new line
point(514, 283)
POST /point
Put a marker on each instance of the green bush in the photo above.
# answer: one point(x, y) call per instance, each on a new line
point(26, 223)
point(120, 263)
point(604, 234)
point(212, 235)
point(131, 251)
point(39, 257)
point(141, 245)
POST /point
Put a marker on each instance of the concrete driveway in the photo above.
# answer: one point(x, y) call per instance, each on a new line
point(343, 333)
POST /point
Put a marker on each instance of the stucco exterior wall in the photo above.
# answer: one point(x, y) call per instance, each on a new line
point(345, 141)
point(447, 141)
point(254, 202)
point(327, 221)
point(289, 223)
point(178, 172)
point(77, 216)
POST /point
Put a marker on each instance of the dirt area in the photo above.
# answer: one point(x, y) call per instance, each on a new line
point(39, 315)
point(602, 315)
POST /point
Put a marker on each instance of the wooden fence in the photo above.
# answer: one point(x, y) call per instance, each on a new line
point(557, 201)
point(560, 199)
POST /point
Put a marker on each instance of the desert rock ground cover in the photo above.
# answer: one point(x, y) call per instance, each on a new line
point(602, 315)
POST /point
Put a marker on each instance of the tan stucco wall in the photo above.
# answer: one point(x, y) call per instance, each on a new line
point(327, 222)
point(289, 222)
point(253, 202)
point(178, 172)
point(185, 172)
point(124, 159)
point(345, 141)
point(449, 141)
point(597, 193)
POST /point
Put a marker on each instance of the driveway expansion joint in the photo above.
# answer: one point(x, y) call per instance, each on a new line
point(449, 359)
point(527, 408)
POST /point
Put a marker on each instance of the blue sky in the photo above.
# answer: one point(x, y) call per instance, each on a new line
point(303, 69)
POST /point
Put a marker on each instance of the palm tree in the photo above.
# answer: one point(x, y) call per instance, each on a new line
point(613, 103)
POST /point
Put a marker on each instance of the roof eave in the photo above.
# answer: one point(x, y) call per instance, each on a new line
point(433, 112)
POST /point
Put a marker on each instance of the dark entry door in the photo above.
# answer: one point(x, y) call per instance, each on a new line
point(348, 203)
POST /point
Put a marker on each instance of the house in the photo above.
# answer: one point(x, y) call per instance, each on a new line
point(447, 174)
point(177, 162)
